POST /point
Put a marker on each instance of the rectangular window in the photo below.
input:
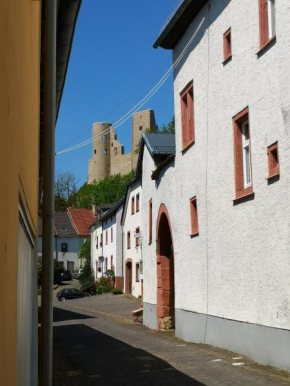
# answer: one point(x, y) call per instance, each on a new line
point(106, 237)
point(273, 160)
point(132, 205)
point(128, 240)
point(97, 244)
point(137, 202)
point(150, 221)
point(112, 234)
point(101, 240)
point(242, 150)
point(137, 238)
point(187, 115)
point(227, 44)
point(137, 272)
point(267, 21)
point(112, 263)
point(193, 216)
point(64, 247)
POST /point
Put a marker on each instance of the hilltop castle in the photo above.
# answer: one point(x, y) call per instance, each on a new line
point(108, 153)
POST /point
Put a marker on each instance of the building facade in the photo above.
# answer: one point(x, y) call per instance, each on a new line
point(220, 208)
point(132, 239)
point(109, 157)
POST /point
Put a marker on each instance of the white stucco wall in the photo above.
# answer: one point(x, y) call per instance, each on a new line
point(238, 267)
point(131, 222)
point(96, 252)
point(109, 249)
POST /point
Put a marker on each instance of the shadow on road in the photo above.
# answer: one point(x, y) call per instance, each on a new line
point(89, 357)
point(60, 315)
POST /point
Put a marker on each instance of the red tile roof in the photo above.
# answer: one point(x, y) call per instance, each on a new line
point(82, 219)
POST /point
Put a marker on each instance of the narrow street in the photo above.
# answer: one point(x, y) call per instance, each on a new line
point(97, 343)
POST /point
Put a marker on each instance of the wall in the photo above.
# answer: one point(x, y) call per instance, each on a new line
point(131, 222)
point(96, 232)
point(19, 113)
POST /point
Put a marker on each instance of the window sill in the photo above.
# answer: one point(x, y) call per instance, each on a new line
point(194, 234)
point(272, 175)
point(185, 148)
point(266, 46)
point(246, 194)
point(227, 59)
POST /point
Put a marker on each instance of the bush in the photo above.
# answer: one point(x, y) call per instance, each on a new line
point(117, 291)
point(103, 285)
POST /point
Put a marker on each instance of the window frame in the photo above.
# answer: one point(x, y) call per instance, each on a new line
point(137, 202)
point(267, 21)
point(132, 205)
point(137, 230)
point(137, 272)
point(128, 240)
point(242, 188)
point(64, 247)
point(112, 235)
point(227, 40)
point(106, 237)
point(193, 217)
point(187, 115)
point(273, 162)
point(150, 222)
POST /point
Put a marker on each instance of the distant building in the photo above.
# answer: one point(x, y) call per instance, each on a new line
point(108, 153)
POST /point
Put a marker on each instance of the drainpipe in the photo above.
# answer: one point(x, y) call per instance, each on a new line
point(48, 190)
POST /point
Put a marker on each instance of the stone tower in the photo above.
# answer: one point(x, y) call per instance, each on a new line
point(141, 122)
point(99, 164)
point(108, 153)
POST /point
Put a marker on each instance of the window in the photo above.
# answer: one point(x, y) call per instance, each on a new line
point(106, 151)
point(267, 21)
point(132, 205)
point(106, 263)
point(103, 126)
point(111, 234)
point(137, 238)
point(103, 138)
point(106, 237)
point(128, 240)
point(140, 128)
point(242, 150)
point(95, 151)
point(137, 272)
point(187, 115)
point(137, 202)
point(194, 217)
point(97, 244)
point(101, 240)
point(273, 160)
point(112, 265)
point(227, 45)
point(150, 221)
point(64, 247)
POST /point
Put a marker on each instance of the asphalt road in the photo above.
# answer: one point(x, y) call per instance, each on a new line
point(97, 343)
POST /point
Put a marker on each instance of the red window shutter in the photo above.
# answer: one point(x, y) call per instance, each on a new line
point(263, 11)
point(183, 122)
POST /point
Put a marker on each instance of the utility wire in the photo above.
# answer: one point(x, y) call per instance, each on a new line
point(134, 109)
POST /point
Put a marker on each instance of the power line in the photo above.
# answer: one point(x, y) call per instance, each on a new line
point(153, 91)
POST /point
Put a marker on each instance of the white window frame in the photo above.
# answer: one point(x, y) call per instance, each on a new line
point(246, 149)
point(271, 19)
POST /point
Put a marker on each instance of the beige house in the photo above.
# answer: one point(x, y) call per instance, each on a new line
point(21, 161)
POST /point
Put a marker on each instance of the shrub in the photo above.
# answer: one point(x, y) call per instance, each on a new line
point(117, 291)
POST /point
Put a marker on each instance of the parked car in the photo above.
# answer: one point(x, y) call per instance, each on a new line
point(69, 293)
point(77, 273)
point(66, 275)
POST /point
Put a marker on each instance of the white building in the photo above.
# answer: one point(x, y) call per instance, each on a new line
point(220, 210)
point(132, 239)
point(106, 244)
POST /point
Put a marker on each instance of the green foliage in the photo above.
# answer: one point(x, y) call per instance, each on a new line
point(116, 291)
point(111, 189)
point(65, 187)
point(86, 278)
point(85, 196)
point(103, 285)
point(57, 270)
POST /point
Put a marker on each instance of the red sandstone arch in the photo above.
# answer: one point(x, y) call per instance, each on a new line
point(165, 270)
point(128, 282)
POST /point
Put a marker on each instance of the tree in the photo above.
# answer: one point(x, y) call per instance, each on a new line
point(65, 188)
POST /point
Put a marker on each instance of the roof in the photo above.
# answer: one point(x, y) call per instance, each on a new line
point(179, 23)
point(162, 145)
point(63, 225)
point(81, 220)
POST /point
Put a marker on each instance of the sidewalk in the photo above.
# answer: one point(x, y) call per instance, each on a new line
point(96, 343)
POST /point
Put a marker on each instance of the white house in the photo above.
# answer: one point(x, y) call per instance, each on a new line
point(106, 244)
point(216, 219)
point(132, 239)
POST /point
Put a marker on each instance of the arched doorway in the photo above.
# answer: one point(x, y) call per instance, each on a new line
point(165, 272)
point(128, 287)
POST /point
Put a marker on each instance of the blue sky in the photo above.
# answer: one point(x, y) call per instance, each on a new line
point(112, 67)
